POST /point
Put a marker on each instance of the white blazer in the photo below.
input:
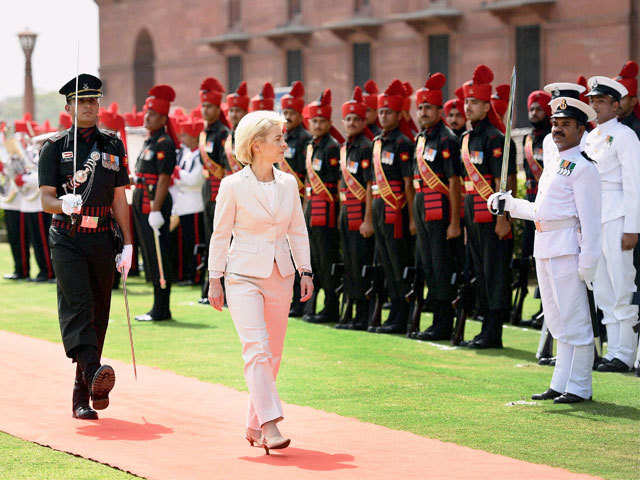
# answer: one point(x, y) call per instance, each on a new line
point(260, 235)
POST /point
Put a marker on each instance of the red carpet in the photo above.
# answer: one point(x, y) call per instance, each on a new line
point(167, 426)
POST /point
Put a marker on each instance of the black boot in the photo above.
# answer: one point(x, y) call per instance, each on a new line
point(80, 402)
point(99, 379)
point(297, 307)
point(310, 306)
point(361, 318)
point(398, 317)
point(347, 317)
point(442, 326)
point(491, 334)
point(160, 310)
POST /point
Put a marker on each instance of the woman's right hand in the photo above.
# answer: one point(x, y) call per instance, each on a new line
point(216, 294)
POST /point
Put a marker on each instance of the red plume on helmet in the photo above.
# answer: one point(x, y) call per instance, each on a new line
point(583, 96)
point(370, 95)
point(393, 96)
point(432, 90)
point(627, 77)
point(239, 98)
point(159, 100)
point(264, 100)
point(482, 75)
point(294, 100)
point(355, 105)
point(211, 91)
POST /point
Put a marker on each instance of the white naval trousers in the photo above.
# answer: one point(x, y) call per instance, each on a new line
point(259, 309)
point(613, 286)
point(566, 313)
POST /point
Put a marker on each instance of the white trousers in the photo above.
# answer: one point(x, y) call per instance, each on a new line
point(259, 308)
point(566, 314)
point(613, 288)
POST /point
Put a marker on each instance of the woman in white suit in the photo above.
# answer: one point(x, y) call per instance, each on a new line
point(259, 207)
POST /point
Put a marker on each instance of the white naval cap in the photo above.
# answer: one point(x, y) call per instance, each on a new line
point(569, 107)
point(600, 85)
point(564, 89)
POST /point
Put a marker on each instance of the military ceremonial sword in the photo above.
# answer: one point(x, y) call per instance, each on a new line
point(595, 324)
point(504, 173)
point(156, 238)
point(126, 306)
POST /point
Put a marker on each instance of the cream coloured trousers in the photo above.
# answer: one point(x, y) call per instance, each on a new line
point(259, 309)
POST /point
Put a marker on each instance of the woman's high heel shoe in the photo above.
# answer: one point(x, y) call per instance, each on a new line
point(253, 441)
point(277, 443)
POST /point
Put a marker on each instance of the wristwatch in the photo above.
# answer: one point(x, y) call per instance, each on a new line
point(306, 274)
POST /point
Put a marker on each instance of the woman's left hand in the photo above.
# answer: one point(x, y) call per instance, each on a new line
point(306, 288)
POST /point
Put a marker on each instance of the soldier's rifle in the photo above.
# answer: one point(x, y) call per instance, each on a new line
point(462, 304)
point(595, 324)
point(415, 297)
point(374, 278)
point(520, 286)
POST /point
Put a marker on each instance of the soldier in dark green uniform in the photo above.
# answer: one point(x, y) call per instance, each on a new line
point(321, 205)
point(355, 219)
point(437, 207)
point(212, 145)
point(83, 247)
point(297, 138)
point(489, 237)
point(152, 201)
point(392, 188)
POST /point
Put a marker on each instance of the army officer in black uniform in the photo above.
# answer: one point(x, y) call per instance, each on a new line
point(152, 200)
point(82, 245)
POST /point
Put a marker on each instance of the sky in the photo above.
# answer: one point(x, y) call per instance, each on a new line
point(60, 25)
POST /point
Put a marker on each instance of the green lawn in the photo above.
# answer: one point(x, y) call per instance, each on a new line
point(457, 395)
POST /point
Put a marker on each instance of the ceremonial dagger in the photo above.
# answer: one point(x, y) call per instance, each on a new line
point(504, 173)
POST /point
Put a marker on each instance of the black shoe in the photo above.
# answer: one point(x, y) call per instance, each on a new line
point(550, 394)
point(391, 328)
point(203, 301)
point(185, 283)
point(39, 278)
point(14, 276)
point(322, 318)
point(372, 329)
point(85, 412)
point(103, 381)
point(344, 326)
point(483, 343)
point(567, 397)
point(433, 335)
point(296, 311)
point(358, 326)
point(545, 361)
point(613, 365)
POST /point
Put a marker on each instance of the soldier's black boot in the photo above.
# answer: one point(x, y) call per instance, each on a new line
point(398, 318)
point(346, 320)
point(160, 310)
point(361, 318)
point(297, 307)
point(80, 402)
point(491, 334)
point(329, 313)
point(99, 379)
point(310, 306)
point(442, 327)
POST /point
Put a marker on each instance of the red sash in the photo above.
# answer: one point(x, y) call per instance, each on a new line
point(481, 188)
point(320, 196)
point(392, 193)
point(234, 164)
point(285, 167)
point(433, 188)
point(213, 171)
point(534, 166)
point(353, 195)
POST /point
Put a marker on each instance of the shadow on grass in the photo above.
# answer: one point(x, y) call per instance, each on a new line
point(182, 324)
point(305, 459)
point(510, 352)
point(598, 409)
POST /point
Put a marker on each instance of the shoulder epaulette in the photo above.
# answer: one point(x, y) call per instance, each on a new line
point(57, 136)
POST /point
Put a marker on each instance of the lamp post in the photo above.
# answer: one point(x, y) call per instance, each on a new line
point(28, 42)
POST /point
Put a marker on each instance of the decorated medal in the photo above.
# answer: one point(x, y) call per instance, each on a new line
point(95, 155)
point(80, 176)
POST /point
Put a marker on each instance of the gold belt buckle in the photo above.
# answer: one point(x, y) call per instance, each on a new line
point(468, 185)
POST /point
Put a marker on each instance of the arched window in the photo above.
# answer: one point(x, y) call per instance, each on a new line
point(143, 70)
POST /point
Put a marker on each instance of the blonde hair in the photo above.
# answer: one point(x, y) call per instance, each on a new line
point(251, 128)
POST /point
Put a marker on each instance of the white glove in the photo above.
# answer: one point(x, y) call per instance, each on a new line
point(494, 199)
point(155, 220)
point(587, 275)
point(124, 260)
point(71, 203)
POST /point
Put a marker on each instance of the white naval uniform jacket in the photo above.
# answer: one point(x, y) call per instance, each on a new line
point(261, 234)
point(186, 190)
point(569, 188)
point(616, 151)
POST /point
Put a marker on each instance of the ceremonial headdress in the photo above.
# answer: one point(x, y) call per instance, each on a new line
point(320, 107)
point(393, 96)
point(239, 98)
point(211, 91)
point(134, 118)
point(569, 107)
point(541, 98)
point(294, 100)
point(264, 100)
point(627, 77)
point(432, 91)
point(191, 126)
point(600, 85)
point(565, 89)
point(457, 103)
point(356, 105)
point(159, 100)
point(370, 94)
point(88, 87)
point(480, 85)
point(500, 99)
point(112, 120)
